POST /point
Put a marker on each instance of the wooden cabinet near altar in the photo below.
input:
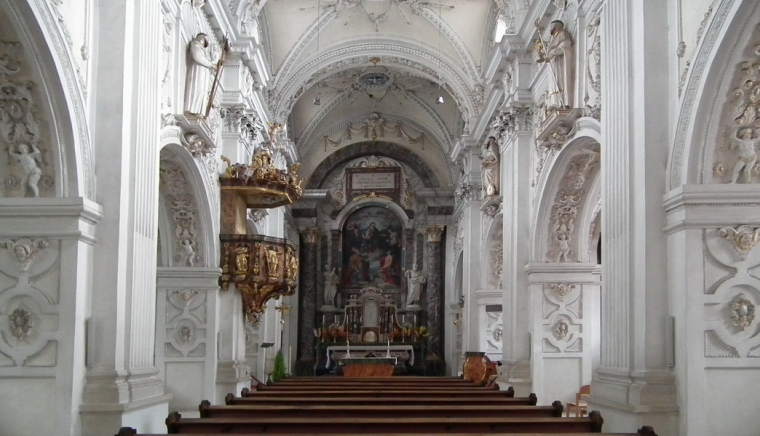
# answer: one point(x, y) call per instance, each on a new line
point(371, 326)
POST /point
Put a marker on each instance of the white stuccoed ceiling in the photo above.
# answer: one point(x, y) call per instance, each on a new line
point(380, 57)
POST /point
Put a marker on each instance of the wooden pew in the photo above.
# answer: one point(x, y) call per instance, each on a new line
point(388, 386)
point(530, 400)
point(644, 431)
point(359, 425)
point(463, 393)
point(353, 410)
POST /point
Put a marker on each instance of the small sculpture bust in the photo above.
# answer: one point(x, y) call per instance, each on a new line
point(415, 280)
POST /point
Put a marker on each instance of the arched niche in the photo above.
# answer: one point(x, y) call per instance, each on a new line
point(186, 227)
point(41, 81)
point(560, 218)
point(730, 37)
point(371, 248)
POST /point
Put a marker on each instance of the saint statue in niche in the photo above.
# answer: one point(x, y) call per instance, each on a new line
point(331, 286)
point(415, 280)
point(490, 156)
point(199, 68)
point(561, 56)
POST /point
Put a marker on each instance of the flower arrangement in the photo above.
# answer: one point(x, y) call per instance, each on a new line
point(332, 334)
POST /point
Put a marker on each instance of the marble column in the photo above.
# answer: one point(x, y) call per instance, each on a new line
point(308, 300)
point(335, 250)
point(409, 255)
point(633, 384)
point(122, 387)
point(434, 290)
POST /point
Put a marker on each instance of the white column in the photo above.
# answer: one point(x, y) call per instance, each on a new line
point(515, 175)
point(122, 385)
point(633, 387)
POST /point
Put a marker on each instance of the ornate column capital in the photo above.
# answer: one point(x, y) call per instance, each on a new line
point(434, 233)
point(310, 234)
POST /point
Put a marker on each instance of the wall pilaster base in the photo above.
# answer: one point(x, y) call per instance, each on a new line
point(517, 375)
point(147, 416)
point(232, 377)
point(630, 400)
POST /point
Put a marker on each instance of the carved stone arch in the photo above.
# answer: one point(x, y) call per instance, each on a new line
point(413, 57)
point(339, 222)
point(379, 148)
point(313, 136)
point(313, 144)
point(706, 91)
point(563, 196)
point(186, 208)
point(589, 224)
point(57, 93)
point(493, 254)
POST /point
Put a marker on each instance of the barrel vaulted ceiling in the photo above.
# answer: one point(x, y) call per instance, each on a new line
point(374, 66)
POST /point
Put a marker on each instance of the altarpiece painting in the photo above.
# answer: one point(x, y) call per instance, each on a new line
point(372, 249)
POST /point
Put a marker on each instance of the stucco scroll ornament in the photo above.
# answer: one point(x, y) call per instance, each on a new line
point(24, 250)
point(562, 290)
point(21, 322)
point(743, 238)
point(742, 311)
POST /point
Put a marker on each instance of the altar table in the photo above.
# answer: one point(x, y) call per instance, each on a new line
point(338, 353)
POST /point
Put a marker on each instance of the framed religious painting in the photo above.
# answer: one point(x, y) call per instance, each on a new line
point(372, 249)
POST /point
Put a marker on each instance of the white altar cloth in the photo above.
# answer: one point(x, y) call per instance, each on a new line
point(378, 350)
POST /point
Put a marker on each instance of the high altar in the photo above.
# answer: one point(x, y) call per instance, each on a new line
point(370, 283)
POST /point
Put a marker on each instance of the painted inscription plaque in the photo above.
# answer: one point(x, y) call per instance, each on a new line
point(380, 181)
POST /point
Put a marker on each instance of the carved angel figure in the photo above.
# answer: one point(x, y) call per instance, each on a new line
point(200, 66)
point(29, 159)
point(745, 143)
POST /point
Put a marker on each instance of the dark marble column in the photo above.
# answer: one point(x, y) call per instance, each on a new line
point(335, 259)
point(307, 312)
point(409, 256)
point(434, 291)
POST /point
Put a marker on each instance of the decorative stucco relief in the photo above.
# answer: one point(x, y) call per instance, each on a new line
point(182, 209)
point(732, 290)
point(593, 98)
point(735, 156)
point(24, 133)
point(30, 283)
point(568, 202)
point(185, 322)
point(562, 319)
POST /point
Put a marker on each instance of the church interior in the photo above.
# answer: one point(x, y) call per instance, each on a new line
point(199, 195)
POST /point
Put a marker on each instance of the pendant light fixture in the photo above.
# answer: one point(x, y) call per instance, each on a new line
point(317, 100)
point(439, 100)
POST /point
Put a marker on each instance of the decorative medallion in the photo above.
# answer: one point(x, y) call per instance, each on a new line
point(743, 238)
point(561, 329)
point(24, 250)
point(742, 311)
point(21, 322)
point(497, 334)
point(185, 334)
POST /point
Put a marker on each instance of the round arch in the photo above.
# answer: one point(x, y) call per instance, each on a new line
point(379, 148)
point(59, 91)
point(706, 90)
point(493, 254)
point(570, 180)
point(340, 220)
point(183, 197)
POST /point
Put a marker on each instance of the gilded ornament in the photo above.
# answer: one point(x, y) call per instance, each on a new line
point(742, 311)
point(743, 238)
point(434, 233)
